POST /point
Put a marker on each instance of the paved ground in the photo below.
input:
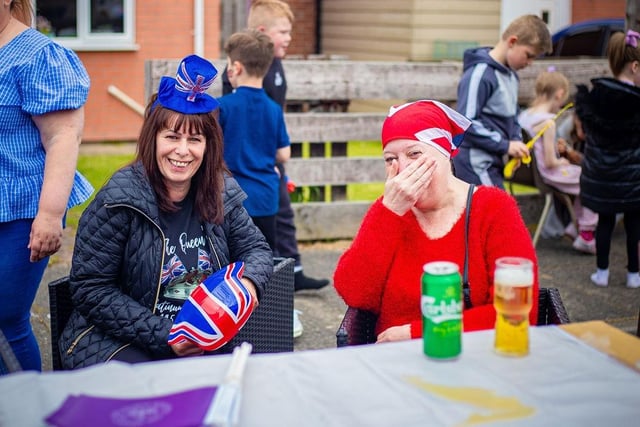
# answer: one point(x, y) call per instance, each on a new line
point(560, 266)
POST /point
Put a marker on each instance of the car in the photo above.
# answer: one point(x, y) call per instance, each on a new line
point(586, 38)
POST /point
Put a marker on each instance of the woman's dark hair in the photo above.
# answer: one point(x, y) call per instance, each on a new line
point(207, 185)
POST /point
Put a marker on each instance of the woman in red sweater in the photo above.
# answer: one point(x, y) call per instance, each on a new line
point(420, 218)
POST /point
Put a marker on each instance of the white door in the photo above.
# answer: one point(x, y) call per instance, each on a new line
point(556, 13)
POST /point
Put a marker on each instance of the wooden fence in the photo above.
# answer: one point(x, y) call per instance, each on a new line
point(331, 81)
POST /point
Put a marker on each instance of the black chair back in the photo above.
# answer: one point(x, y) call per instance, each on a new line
point(269, 329)
point(8, 358)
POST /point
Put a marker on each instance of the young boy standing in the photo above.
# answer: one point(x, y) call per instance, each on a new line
point(275, 18)
point(255, 134)
point(488, 96)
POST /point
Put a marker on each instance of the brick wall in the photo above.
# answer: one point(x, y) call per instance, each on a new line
point(108, 119)
point(583, 10)
point(164, 29)
point(304, 27)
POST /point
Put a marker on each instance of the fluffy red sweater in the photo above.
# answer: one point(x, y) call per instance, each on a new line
point(381, 270)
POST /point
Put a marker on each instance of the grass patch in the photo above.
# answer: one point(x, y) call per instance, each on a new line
point(365, 192)
point(97, 169)
point(364, 149)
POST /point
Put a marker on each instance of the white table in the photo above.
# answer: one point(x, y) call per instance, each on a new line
point(563, 382)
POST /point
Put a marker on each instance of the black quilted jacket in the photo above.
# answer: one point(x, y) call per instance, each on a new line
point(117, 260)
point(610, 114)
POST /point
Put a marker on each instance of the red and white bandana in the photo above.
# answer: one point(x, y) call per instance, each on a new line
point(431, 122)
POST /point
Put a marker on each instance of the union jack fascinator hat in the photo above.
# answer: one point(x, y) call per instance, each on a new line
point(186, 93)
point(215, 311)
point(431, 122)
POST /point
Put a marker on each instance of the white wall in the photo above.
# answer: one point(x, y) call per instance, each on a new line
point(559, 12)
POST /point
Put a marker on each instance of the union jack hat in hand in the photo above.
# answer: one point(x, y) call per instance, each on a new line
point(186, 93)
point(215, 311)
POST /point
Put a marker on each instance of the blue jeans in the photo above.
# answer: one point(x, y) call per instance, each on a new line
point(19, 282)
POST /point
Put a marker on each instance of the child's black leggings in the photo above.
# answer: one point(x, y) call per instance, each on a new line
point(604, 231)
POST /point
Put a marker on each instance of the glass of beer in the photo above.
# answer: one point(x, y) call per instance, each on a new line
point(512, 299)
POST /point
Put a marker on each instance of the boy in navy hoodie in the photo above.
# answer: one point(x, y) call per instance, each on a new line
point(488, 96)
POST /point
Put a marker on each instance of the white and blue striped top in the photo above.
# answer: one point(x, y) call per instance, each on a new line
point(37, 76)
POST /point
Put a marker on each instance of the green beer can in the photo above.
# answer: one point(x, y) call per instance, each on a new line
point(441, 307)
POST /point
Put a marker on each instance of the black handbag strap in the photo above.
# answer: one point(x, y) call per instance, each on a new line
point(466, 291)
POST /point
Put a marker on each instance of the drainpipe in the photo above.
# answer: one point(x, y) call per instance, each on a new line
point(198, 27)
point(318, 46)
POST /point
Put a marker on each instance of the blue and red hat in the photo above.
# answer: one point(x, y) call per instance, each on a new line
point(186, 93)
point(431, 122)
point(215, 311)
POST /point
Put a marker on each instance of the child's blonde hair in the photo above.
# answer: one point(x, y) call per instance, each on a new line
point(620, 53)
point(263, 13)
point(548, 83)
point(253, 49)
point(532, 31)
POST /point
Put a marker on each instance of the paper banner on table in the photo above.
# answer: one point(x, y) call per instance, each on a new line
point(184, 409)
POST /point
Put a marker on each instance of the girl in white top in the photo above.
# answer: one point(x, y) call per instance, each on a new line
point(552, 92)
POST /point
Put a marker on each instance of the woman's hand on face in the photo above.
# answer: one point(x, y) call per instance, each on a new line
point(402, 189)
point(395, 333)
point(187, 348)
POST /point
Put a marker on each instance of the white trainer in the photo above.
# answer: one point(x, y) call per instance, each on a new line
point(586, 246)
point(570, 231)
point(600, 278)
point(297, 324)
point(633, 280)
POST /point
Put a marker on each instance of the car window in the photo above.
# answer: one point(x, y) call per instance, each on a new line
point(586, 43)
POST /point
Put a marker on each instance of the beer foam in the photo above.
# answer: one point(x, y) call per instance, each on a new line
point(513, 277)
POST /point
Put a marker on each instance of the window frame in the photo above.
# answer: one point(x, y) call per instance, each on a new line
point(88, 41)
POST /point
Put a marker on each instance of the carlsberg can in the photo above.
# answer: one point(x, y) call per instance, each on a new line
point(441, 307)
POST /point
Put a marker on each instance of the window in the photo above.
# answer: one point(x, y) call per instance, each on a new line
point(587, 43)
point(88, 24)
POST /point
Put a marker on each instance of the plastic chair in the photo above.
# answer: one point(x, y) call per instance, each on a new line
point(358, 326)
point(529, 175)
point(549, 193)
point(269, 329)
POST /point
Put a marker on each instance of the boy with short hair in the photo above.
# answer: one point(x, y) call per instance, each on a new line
point(255, 134)
point(275, 18)
point(488, 95)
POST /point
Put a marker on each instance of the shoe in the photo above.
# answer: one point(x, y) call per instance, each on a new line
point(302, 282)
point(586, 246)
point(633, 280)
point(601, 278)
point(297, 324)
point(570, 231)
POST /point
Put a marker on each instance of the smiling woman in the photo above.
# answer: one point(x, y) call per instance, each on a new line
point(130, 240)
point(179, 152)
